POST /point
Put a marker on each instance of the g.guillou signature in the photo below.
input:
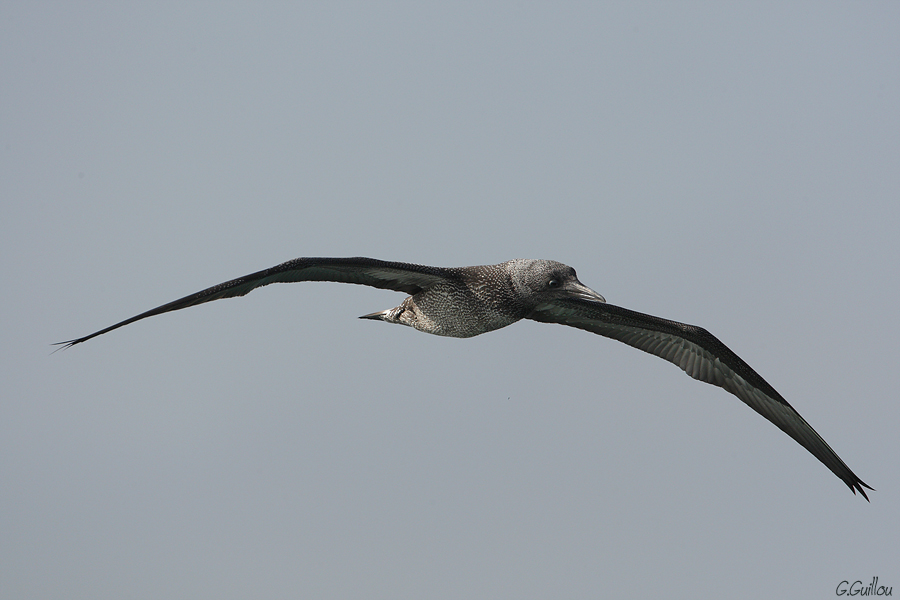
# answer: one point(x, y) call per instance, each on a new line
point(857, 588)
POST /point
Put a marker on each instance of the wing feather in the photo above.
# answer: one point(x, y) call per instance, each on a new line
point(400, 277)
point(702, 356)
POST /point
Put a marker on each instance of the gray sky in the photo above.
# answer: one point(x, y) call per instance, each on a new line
point(734, 167)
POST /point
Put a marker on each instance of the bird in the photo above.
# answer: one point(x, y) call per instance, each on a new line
point(464, 302)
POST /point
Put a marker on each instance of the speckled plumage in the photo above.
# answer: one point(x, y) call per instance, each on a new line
point(468, 301)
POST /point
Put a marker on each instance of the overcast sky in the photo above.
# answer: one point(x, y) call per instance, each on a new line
point(730, 166)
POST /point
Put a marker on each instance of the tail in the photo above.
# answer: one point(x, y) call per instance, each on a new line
point(383, 315)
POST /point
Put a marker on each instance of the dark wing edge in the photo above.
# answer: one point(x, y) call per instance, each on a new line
point(400, 277)
point(702, 356)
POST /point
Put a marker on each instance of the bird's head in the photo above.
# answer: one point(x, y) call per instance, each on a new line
point(541, 281)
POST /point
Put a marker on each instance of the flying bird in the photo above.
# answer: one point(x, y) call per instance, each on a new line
point(467, 301)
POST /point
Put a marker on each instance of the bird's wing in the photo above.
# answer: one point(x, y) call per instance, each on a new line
point(400, 277)
point(702, 356)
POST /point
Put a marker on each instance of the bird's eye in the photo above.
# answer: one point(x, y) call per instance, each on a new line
point(553, 283)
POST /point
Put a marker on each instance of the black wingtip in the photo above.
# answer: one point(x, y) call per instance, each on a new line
point(858, 486)
point(69, 343)
point(63, 345)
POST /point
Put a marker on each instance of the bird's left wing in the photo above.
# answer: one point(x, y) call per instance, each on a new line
point(400, 277)
point(702, 356)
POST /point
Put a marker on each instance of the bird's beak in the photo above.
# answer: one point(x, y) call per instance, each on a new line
point(579, 290)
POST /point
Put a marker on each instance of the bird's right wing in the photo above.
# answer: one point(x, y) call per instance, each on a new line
point(702, 356)
point(400, 277)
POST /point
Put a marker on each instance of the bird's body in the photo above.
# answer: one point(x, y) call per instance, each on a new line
point(467, 301)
